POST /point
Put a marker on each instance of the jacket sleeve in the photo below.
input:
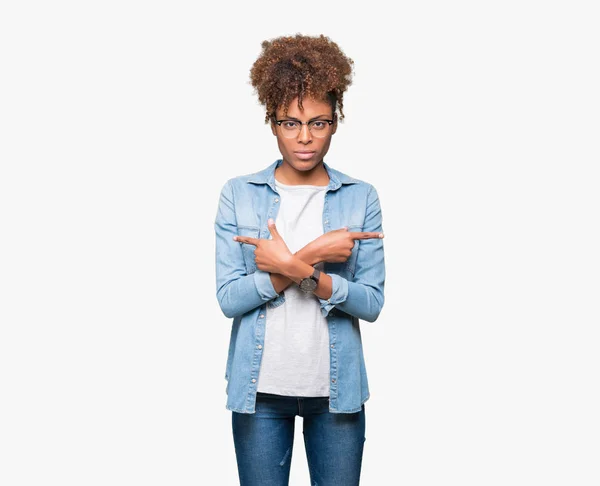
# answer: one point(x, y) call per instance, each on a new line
point(237, 292)
point(363, 296)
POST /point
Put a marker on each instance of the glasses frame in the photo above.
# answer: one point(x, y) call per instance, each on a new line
point(279, 122)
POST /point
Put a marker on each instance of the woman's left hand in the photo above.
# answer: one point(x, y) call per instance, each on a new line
point(272, 255)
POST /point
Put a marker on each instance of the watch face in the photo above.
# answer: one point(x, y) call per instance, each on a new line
point(308, 284)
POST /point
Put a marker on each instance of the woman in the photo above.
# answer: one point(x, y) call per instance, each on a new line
point(299, 260)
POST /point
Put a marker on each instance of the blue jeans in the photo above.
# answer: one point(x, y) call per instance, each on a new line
point(263, 441)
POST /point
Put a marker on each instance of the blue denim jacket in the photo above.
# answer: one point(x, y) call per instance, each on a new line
point(244, 291)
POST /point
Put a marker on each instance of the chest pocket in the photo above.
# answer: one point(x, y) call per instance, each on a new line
point(247, 249)
point(349, 266)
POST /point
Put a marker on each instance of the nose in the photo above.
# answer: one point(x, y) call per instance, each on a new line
point(304, 134)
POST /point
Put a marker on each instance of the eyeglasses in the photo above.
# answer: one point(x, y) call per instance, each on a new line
point(291, 128)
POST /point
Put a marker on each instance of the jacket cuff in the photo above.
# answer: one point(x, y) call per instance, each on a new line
point(339, 293)
point(264, 286)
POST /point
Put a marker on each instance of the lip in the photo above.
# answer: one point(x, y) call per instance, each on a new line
point(305, 155)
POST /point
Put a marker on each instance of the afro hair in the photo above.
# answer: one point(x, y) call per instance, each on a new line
point(300, 66)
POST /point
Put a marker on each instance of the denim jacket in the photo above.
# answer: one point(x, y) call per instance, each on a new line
point(244, 291)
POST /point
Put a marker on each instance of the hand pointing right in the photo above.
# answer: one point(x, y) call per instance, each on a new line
point(336, 246)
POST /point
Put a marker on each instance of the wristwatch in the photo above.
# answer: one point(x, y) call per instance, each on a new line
point(309, 283)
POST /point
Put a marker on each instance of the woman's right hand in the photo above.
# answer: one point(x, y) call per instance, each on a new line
point(336, 246)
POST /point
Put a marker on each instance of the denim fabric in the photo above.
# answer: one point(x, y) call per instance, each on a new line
point(264, 441)
point(243, 291)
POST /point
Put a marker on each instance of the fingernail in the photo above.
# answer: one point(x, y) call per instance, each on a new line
point(235, 238)
point(270, 220)
point(380, 235)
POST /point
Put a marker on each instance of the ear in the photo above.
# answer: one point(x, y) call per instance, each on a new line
point(334, 124)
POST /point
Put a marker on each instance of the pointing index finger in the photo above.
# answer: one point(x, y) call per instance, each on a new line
point(364, 235)
point(246, 239)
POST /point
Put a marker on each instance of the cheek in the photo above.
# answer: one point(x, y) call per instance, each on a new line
point(283, 143)
point(324, 144)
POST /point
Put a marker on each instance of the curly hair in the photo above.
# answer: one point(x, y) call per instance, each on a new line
point(300, 66)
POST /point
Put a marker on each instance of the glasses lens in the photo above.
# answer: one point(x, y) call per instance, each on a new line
point(319, 128)
point(290, 128)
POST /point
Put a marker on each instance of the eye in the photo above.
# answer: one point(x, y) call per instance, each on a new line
point(319, 125)
point(289, 124)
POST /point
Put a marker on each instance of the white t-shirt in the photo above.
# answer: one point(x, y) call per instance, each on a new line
point(295, 359)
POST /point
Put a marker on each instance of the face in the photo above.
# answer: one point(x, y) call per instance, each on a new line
point(304, 141)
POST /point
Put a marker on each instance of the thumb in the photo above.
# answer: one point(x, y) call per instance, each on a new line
point(273, 229)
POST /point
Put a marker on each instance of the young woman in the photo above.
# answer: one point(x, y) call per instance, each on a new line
point(299, 260)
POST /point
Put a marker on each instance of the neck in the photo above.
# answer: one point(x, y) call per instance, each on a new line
point(287, 174)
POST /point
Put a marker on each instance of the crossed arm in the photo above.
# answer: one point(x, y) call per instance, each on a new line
point(239, 292)
point(281, 282)
point(285, 268)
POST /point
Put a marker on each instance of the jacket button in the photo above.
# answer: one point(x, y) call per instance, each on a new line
point(259, 346)
point(332, 345)
point(326, 221)
point(276, 199)
point(333, 380)
point(253, 380)
point(261, 316)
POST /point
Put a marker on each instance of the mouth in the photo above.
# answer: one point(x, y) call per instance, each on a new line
point(305, 155)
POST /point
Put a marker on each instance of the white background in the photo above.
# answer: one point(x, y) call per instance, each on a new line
point(478, 124)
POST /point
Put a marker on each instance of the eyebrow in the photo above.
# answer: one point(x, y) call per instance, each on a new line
point(297, 119)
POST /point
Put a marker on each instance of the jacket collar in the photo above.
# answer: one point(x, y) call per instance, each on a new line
point(267, 176)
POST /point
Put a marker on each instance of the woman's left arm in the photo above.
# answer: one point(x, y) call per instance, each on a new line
point(363, 296)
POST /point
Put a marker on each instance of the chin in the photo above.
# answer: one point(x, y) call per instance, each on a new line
point(304, 164)
point(306, 167)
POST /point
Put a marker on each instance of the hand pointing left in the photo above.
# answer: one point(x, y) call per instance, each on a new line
point(272, 255)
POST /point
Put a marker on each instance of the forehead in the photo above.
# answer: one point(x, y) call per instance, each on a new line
point(310, 107)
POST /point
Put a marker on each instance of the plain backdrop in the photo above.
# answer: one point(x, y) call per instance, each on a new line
point(478, 124)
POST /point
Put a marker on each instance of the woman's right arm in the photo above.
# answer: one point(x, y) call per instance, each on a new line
point(237, 292)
